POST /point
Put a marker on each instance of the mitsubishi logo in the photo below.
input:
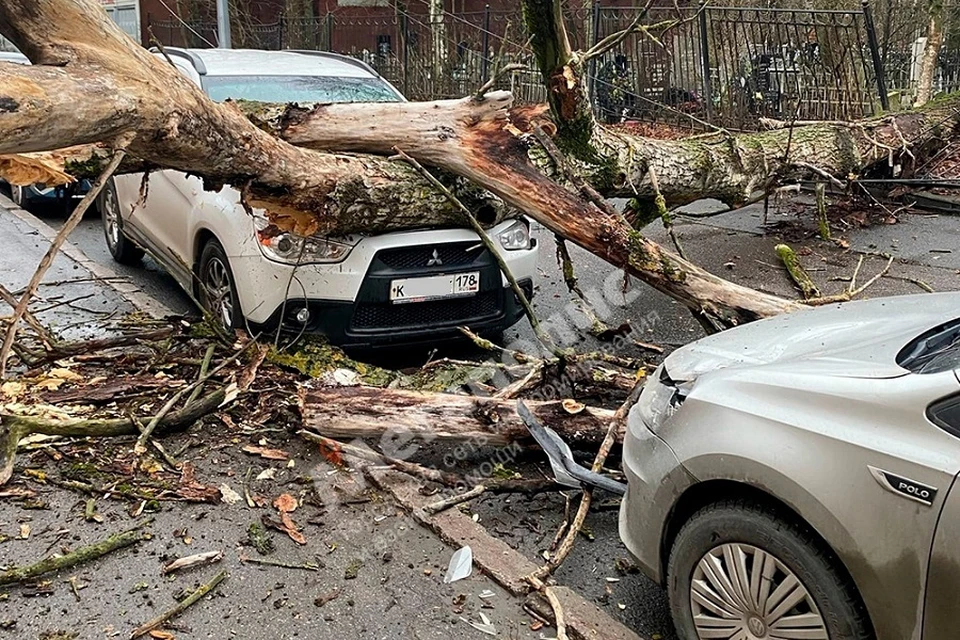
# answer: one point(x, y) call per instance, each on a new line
point(435, 261)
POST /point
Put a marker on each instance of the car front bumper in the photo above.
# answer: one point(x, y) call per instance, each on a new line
point(655, 480)
point(350, 304)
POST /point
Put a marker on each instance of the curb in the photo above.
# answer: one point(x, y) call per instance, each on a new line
point(103, 274)
point(506, 565)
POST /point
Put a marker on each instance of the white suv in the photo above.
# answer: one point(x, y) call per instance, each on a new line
point(359, 291)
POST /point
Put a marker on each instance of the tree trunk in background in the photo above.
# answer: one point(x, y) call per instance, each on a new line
point(438, 44)
point(931, 54)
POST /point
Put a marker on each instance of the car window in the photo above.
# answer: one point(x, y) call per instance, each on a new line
point(298, 89)
point(933, 351)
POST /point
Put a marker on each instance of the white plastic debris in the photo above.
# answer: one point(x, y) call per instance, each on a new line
point(483, 626)
point(461, 565)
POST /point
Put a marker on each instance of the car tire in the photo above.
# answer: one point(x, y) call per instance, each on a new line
point(745, 534)
point(120, 247)
point(217, 290)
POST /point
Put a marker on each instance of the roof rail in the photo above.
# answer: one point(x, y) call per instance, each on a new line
point(337, 56)
point(186, 54)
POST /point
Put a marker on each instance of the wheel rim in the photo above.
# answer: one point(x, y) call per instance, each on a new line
point(219, 296)
point(741, 592)
point(111, 218)
point(16, 194)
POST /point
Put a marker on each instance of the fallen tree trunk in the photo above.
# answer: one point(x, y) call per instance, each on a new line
point(90, 83)
point(368, 412)
point(89, 64)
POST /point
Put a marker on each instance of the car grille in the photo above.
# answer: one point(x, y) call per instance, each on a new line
point(482, 306)
point(453, 254)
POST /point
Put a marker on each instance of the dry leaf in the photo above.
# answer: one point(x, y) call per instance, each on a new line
point(572, 406)
point(12, 389)
point(24, 531)
point(264, 452)
point(291, 528)
point(285, 503)
point(65, 374)
point(162, 635)
point(50, 384)
point(228, 495)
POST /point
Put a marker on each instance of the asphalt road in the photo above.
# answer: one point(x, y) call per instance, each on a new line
point(735, 245)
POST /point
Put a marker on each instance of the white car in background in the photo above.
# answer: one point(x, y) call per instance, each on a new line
point(359, 291)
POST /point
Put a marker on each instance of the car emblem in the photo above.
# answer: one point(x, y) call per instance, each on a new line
point(904, 487)
point(435, 261)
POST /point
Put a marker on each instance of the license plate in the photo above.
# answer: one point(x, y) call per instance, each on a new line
point(434, 287)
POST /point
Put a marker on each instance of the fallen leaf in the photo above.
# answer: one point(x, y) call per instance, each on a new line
point(572, 406)
point(291, 529)
point(228, 495)
point(264, 452)
point(285, 503)
point(267, 474)
point(332, 453)
point(64, 374)
point(191, 561)
point(13, 389)
point(50, 384)
point(24, 531)
point(162, 635)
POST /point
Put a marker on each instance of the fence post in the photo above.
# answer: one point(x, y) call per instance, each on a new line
point(329, 27)
point(875, 54)
point(405, 28)
point(485, 40)
point(705, 59)
point(280, 46)
point(594, 39)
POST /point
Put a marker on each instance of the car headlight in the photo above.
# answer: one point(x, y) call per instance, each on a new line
point(290, 248)
point(515, 237)
point(660, 398)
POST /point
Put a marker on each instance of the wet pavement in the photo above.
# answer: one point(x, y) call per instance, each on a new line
point(404, 596)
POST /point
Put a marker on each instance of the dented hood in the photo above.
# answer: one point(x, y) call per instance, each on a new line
point(858, 339)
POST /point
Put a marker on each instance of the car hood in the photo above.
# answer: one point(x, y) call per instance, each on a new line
point(858, 339)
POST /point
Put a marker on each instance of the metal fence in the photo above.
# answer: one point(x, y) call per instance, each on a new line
point(728, 65)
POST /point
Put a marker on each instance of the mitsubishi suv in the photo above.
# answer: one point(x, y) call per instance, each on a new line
point(360, 291)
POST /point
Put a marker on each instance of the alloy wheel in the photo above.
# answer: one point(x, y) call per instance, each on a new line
point(219, 296)
point(17, 195)
point(111, 218)
point(741, 592)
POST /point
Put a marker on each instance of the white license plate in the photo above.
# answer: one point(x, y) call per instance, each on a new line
point(434, 287)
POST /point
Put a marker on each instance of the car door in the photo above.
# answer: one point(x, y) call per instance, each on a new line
point(161, 219)
point(943, 577)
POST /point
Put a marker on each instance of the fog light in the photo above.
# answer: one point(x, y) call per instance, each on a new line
point(303, 316)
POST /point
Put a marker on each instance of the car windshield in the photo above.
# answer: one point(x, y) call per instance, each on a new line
point(298, 89)
point(933, 351)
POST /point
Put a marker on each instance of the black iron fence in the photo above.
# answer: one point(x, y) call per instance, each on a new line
point(728, 65)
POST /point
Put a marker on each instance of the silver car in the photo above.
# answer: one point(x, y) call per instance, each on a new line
point(794, 478)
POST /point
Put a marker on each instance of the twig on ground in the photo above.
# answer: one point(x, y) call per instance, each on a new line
point(141, 445)
point(460, 498)
point(74, 558)
point(45, 338)
point(566, 546)
point(425, 473)
point(204, 367)
point(306, 566)
point(72, 221)
point(208, 557)
point(799, 276)
point(201, 591)
point(852, 290)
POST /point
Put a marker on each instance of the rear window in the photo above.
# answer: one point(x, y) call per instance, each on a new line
point(933, 351)
point(298, 89)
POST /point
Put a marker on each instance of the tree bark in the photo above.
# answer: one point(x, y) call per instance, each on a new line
point(368, 412)
point(91, 83)
point(931, 53)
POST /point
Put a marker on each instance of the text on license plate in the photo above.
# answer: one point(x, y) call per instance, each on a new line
point(434, 287)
